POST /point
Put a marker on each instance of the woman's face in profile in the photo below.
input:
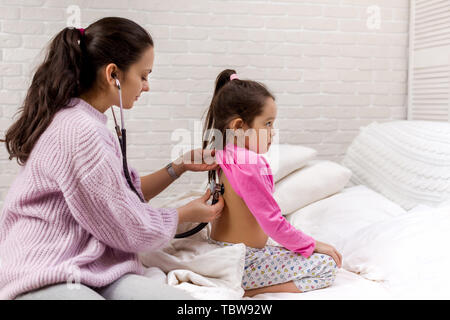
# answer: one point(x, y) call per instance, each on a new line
point(136, 79)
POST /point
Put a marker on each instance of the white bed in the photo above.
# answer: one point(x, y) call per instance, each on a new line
point(386, 208)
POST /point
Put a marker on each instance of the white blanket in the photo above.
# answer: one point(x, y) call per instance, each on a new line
point(205, 270)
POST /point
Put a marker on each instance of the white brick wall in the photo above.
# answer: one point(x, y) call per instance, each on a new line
point(331, 68)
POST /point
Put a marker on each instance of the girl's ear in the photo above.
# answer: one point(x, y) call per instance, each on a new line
point(236, 124)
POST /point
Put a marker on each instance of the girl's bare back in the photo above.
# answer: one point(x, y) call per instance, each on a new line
point(236, 223)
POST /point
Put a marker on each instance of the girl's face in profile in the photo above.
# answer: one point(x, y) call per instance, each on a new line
point(263, 128)
point(258, 136)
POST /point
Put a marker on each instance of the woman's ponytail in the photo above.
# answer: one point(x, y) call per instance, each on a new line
point(70, 69)
point(54, 82)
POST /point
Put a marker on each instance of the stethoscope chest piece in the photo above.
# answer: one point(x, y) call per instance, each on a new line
point(216, 190)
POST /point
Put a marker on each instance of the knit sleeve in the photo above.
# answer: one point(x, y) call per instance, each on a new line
point(255, 187)
point(136, 180)
point(101, 201)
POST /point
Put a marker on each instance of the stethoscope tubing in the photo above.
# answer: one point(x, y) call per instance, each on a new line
point(122, 136)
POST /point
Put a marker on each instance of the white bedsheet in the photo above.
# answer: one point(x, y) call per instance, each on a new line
point(347, 286)
point(382, 252)
point(409, 252)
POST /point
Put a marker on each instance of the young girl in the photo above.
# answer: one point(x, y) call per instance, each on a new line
point(243, 113)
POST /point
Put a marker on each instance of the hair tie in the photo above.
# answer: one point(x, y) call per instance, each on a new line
point(81, 31)
point(234, 76)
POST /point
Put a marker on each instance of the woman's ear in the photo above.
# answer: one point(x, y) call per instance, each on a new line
point(111, 73)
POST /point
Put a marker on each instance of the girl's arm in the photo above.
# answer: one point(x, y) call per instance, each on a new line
point(154, 183)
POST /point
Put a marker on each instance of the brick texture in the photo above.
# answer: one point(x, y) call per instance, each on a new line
point(332, 64)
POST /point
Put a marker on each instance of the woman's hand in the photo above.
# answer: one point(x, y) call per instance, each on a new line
point(198, 160)
point(199, 211)
point(322, 247)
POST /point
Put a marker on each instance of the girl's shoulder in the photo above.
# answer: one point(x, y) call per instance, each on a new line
point(245, 164)
point(245, 156)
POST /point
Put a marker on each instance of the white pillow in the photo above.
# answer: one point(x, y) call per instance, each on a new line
point(317, 180)
point(409, 251)
point(406, 161)
point(333, 220)
point(286, 158)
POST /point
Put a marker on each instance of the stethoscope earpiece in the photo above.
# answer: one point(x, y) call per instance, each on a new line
point(117, 82)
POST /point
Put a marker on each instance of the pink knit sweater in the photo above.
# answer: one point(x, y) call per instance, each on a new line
point(70, 215)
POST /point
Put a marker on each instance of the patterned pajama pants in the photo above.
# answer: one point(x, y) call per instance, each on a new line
point(273, 265)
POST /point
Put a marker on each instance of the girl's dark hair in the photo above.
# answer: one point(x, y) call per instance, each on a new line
point(69, 69)
point(232, 99)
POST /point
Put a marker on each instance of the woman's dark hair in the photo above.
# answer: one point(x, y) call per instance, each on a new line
point(232, 99)
point(69, 69)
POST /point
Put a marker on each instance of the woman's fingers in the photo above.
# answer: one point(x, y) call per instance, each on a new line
point(212, 166)
point(206, 196)
point(216, 209)
point(218, 206)
point(208, 156)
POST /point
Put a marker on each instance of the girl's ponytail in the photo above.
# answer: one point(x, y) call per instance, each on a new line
point(232, 99)
point(222, 79)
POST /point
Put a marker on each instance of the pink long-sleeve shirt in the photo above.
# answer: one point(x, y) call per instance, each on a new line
point(251, 177)
point(70, 216)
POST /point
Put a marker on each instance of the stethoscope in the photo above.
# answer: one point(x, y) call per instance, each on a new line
point(216, 189)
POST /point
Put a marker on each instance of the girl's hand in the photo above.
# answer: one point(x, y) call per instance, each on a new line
point(322, 247)
point(198, 160)
point(199, 211)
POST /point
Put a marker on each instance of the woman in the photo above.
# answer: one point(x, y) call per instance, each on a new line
point(71, 227)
